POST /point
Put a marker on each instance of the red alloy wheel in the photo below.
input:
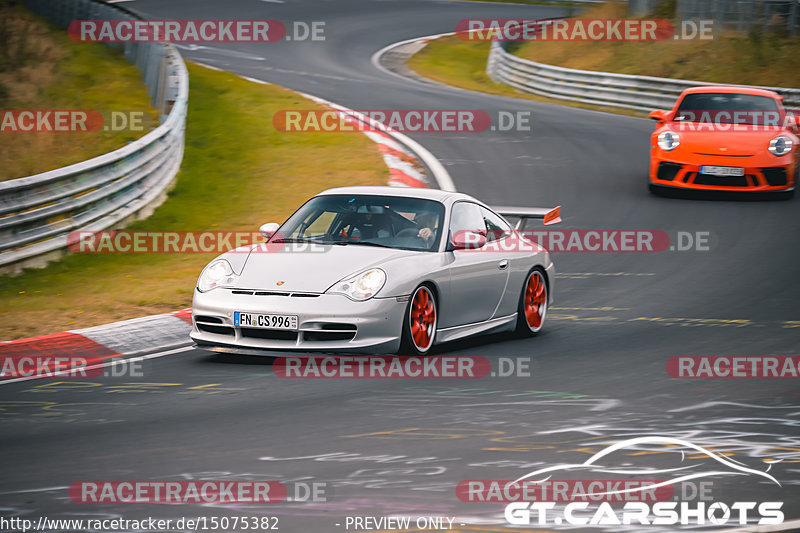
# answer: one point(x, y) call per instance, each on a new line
point(535, 301)
point(422, 319)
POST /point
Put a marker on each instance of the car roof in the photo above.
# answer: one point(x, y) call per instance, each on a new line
point(732, 89)
point(404, 192)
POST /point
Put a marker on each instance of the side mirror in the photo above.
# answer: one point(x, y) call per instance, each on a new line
point(658, 115)
point(468, 240)
point(268, 229)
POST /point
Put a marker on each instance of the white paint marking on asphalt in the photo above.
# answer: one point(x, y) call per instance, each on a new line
point(217, 50)
point(254, 80)
point(206, 65)
point(785, 526)
point(441, 175)
point(46, 489)
point(736, 404)
point(376, 57)
point(105, 364)
point(117, 1)
point(274, 1)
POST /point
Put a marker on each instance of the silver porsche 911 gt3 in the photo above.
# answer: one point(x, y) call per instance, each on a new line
point(376, 269)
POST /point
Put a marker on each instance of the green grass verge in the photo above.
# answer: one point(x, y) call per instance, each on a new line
point(238, 172)
point(41, 68)
point(460, 63)
point(752, 59)
point(534, 3)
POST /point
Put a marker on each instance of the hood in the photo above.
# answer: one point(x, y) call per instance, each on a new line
point(725, 139)
point(313, 270)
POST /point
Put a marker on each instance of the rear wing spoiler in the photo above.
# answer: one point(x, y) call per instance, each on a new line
point(549, 215)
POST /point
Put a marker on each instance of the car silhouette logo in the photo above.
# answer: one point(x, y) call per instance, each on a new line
point(681, 473)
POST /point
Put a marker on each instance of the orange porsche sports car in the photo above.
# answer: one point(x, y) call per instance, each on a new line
point(725, 139)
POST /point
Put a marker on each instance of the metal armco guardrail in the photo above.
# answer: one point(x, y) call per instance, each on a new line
point(38, 212)
point(640, 93)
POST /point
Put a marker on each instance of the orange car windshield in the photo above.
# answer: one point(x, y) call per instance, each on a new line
point(729, 108)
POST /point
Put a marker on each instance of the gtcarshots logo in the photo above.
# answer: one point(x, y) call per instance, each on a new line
point(393, 366)
point(536, 509)
point(208, 491)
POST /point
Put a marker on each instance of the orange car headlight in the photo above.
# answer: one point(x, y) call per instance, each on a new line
point(668, 140)
point(780, 145)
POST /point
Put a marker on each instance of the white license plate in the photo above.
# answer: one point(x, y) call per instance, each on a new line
point(255, 320)
point(721, 171)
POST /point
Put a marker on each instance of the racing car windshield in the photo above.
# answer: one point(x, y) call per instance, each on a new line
point(729, 108)
point(388, 221)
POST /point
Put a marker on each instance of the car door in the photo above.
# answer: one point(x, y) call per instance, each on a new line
point(477, 277)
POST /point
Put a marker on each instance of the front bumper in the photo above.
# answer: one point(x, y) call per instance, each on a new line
point(326, 322)
point(672, 173)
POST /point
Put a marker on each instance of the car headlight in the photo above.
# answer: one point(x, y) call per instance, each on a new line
point(217, 274)
point(668, 140)
point(361, 286)
point(780, 145)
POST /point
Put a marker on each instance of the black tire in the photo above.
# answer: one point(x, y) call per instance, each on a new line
point(414, 321)
point(524, 326)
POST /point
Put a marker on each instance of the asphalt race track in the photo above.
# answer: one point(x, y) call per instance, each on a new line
point(399, 446)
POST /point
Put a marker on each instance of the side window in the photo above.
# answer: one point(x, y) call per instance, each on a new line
point(466, 216)
point(496, 227)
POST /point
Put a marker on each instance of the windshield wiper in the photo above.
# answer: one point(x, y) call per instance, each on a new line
point(295, 240)
point(361, 243)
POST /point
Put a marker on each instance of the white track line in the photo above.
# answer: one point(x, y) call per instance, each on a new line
point(105, 364)
point(376, 57)
point(791, 525)
point(440, 174)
